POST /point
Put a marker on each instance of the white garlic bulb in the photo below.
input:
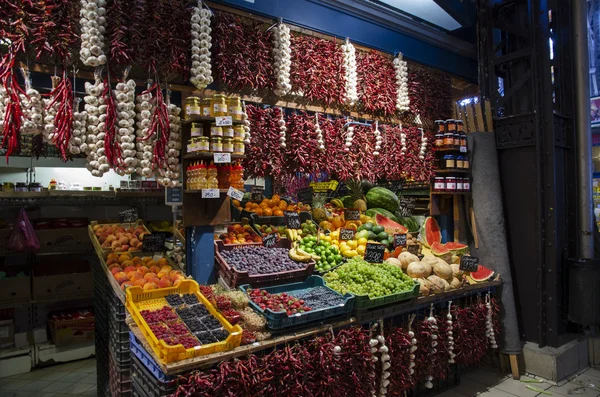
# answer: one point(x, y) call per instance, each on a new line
point(171, 176)
point(201, 71)
point(144, 147)
point(350, 74)
point(125, 120)
point(401, 69)
point(282, 54)
point(94, 105)
point(92, 25)
point(78, 141)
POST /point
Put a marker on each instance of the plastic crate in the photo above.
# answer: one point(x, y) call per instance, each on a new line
point(273, 220)
point(138, 300)
point(149, 384)
point(103, 251)
point(363, 302)
point(138, 351)
point(234, 278)
point(118, 373)
point(278, 320)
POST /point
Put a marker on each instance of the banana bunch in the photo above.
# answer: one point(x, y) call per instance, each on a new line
point(298, 255)
point(337, 203)
point(293, 235)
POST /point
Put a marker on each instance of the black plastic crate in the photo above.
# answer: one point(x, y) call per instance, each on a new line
point(120, 358)
point(151, 386)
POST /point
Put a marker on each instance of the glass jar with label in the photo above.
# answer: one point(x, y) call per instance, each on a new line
point(203, 144)
point(238, 146)
point(457, 140)
point(460, 162)
point(440, 126)
point(451, 184)
point(439, 140)
point(8, 187)
point(35, 187)
point(459, 184)
point(207, 110)
point(466, 184)
point(439, 184)
point(219, 105)
point(449, 134)
point(216, 130)
point(234, 107)
point(448, 162)
point(196, 129)
point(238, 132)
point(192, 108)
point(216, 144)
point(466, 164)
point(21, 187)
point(227, 145)
point(228, 131)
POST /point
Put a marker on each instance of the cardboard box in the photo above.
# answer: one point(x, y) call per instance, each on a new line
point(34, 336)
point(53, 279)
point(21, 339)
point(71, 327)
point(7, 333)
point(14, 290)
point(64, 240)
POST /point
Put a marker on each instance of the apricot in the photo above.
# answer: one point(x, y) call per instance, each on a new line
point(129, 273)
point(110, 238)
point(121, 277)
point(176, 277)
point(111, 262)
point(124, 248)
point(164, 283)
point(96, 227)
point(112, 256)
point(140, 282)
point(161, 274)
point(177, 282)
point(151, 263)
point(133, 249)
point(126, 263)
point(147, 259)
point(134, 242)
point(126, 284)
point(149, 276)
point(162, 262)
point(116, 270)
point(135, 276)
point(166, 269)
point(154, 269)
point(149, 286)
point(174, 272)
point(142, 270)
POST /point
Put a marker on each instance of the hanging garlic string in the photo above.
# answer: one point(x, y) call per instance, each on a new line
point(423, 145)
point(350, 74)
point(93, 27)
point(489, 323)
point(385, 362)
point(282, 129)
point(413, 343)
point(246, 124)
point(450, 334)
point(401, 68)
point(349, 137)
point(282, 54)
point(201, 70)
point(402, 141)
point(378, 139)
point(319, 133)
point(433, 336)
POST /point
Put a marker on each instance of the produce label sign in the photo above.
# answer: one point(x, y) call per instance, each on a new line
point(270, 240)
point(346, 234)
point(352, 214)
point(257, 194)
point(210, 193)
point(235, 194)
point(413, 249)
point(222, 158)
point(292, 219)
point(223, 121)
point(374, 252)
point(399, 240)
point(128, 216)
point(407, 205)
point(469, 263)
point(154, 242)
point(173, 196)
point(305, 195)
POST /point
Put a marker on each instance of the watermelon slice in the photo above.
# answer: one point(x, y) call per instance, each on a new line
point(389, 225)
point(441, 251)
point(430, 232)
point(482, 274)
point(457, 248)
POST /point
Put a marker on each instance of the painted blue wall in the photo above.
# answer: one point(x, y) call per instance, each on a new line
point(324, 19)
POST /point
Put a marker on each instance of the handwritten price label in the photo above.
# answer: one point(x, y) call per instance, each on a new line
point(222, 158)
point(399, 240)
point(235, 194)
point(469, 263)
point(128, 216)
point(292, 220)
point(374, 253)
point(346, 234)
point(351, 214)
point(223, 121)
point(210, 193)
point(270, 240)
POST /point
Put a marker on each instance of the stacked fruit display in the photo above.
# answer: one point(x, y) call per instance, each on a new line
point(326, 254)
point(268, 229)
point(120, 238)
point(274, 206)
point(238, 234)
point(145, 272)
point(278, 302)
point(261, 260)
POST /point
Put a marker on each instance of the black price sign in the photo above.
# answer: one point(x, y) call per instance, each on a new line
point(413, 249)
point(346, 234)
point(399, 240)
point(352, 214)
point(305, 196)
point(270, 240)
point(153, 243)
point(257, 194)
point(407, 205)
point(469, 263)
point(374, 252)
point(128, 216)
point(292, 220)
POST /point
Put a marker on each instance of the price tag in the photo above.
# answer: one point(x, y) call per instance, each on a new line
point(257, 194)
point(407, 204)
point(305, 196)
point(235, 194)
point(346, 234)
point(463, 149)
point(352, 214)
point(469, 263)
point(223, 121)
point(374, 252)
point(210, 193)
point(292, 220)
point(222, 158)
point(153, 243)
point(128, 216)
point(413, 249)
point(399, 240)
point(270, 240)
point(173, 196)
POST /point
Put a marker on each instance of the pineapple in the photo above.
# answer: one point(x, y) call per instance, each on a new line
point(318, 208)
point(355, 187)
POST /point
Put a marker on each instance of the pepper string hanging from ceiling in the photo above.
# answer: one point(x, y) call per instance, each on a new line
point(302, 150)
point(414, 168)
point(61, 100)
point(264, 155)
point(377, 84)
point(159, 129)
point(120, 16)
point(430, 94)
point(13, 112)
point(389, 162)
point(331, 159)
point(242, 54)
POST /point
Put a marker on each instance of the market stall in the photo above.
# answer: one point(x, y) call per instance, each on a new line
point(349, 263)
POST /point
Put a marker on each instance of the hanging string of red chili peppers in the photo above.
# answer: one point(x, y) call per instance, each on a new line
point(54, 29)
point(376, 84)
point(301, 152)
point(120, 16)
point(264, 155)
point(62, 100)
point(159, 129)
point(11, 119)
point(112, 151)
point(430, 94)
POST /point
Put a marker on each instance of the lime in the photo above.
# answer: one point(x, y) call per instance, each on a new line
point(382, 236)
point(385, 242)
point(367, 226)
point(372, 236)
point(378, 229)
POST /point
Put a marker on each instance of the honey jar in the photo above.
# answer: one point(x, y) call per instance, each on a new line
point(219, 105)
point(238, 146)
point(192, 108)
point(216, 130)
point(207, 108)
point(196, 129)
point(227, 145)
point(234, 107)
point(216, 144)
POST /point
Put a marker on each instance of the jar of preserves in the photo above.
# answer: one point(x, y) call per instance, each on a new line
point(234, 108)
point(451, 125)
point(35, 187)
point(8, 187)
point(207, 110)
point(460, 126)
point(228, 131)
point(459, 184)
point(460, 162)
point(451, 184)
point(196, 129)
point(238, 146)
point(192, 108)
point(216, 144)
point(439, 140)
point(448, 162)
point(456, 140)
point(223, 173)
point(227, 145)
point(466, 184)
point(238, 132)
point(439, 184)
point(216, 130)
point(466, 164)
point(219, 105)
point(448, 139)
point(440, 126)
point(21, 187)
point(463, 141)
point(236, 177)
point(203, 144)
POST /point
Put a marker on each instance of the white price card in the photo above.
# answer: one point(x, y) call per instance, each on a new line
point(222, 158)
point(463, 149)
point(223, 121)
point(235, 194)
point(210, 193)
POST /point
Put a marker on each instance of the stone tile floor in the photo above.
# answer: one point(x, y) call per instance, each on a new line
point(77, 378)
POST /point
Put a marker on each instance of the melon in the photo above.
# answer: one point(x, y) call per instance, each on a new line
point(374, 211)
point(430, 232)
point(440, 250)
point(380, 197)
point(389, 225)
point(482, 274)
point(457, 248)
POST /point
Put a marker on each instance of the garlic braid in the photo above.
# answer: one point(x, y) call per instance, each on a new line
point(201, 73)
point(125, 95)
point(77, 143)
point(93, 27)
point(145, 148)
point(283, 58)
point(96, 115)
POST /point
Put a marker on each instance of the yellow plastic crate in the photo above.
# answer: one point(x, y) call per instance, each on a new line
point(324, 186)
point(138, 300)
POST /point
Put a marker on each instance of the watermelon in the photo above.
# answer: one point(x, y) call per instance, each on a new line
point(380, 197)
point(410, 223)
point(430, 232)
point(374, 211)
point(438, 249)
point(347, 201)
point(390, 226)
point(457, 248)
point(482, 274)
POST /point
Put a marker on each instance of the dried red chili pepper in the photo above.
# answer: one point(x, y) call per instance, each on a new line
point(376, 84)
point(399, 344)
point(159, 129)
point(263, 155)
point(62, 101)
point(119, 16)
point(430, 94)
point(53, 29)
point(13, 112)
point(301, 152)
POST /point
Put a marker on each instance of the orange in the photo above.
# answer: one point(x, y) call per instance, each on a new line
point(282, 205)
point(236, 203)
point(278, 212)
point(263, 205)
point(268, 202)
point(337, 222)
point(267, 212)
point(276, 199)
point(259, 211)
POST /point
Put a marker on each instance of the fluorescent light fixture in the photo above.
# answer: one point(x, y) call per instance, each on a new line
point(427, 10)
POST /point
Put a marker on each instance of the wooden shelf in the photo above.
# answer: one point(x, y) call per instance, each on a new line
point(458, 171)
point(449, 193)
point(204, 119)
point(200, 191)
point(203, 155)
point(446, 150)
point(82, 194)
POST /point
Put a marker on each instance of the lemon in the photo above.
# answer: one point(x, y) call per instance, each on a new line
point(360, 250)
point(362, 241)
point(352, 244)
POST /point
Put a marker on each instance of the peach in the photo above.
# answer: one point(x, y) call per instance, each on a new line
point(162, 262)
point(114, 245)
point(147, 259)
point(111, 261)
point(166, 269)
point(110, 238)
point(137, 259)
point(135, 276)
point(134, 242)
point(133, 249)
point(161, 274)
point(121, 277)
point(177, 282)
point(151, 263)
point(112, 256)
point(126, 284)
point(130, 274)
point(116, 270)
point(149, 286)
point(109, 229)
point(174, 272)
point(142, 270)
point(154, 269)
point(164, 283)
point(126, 263)
point(96, 227)
point(149, 276)
point(140, 282)
point(129, 268)
point(124, 248)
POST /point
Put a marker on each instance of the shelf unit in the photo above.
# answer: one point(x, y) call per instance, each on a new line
point(204, 119)
point(210, 155)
